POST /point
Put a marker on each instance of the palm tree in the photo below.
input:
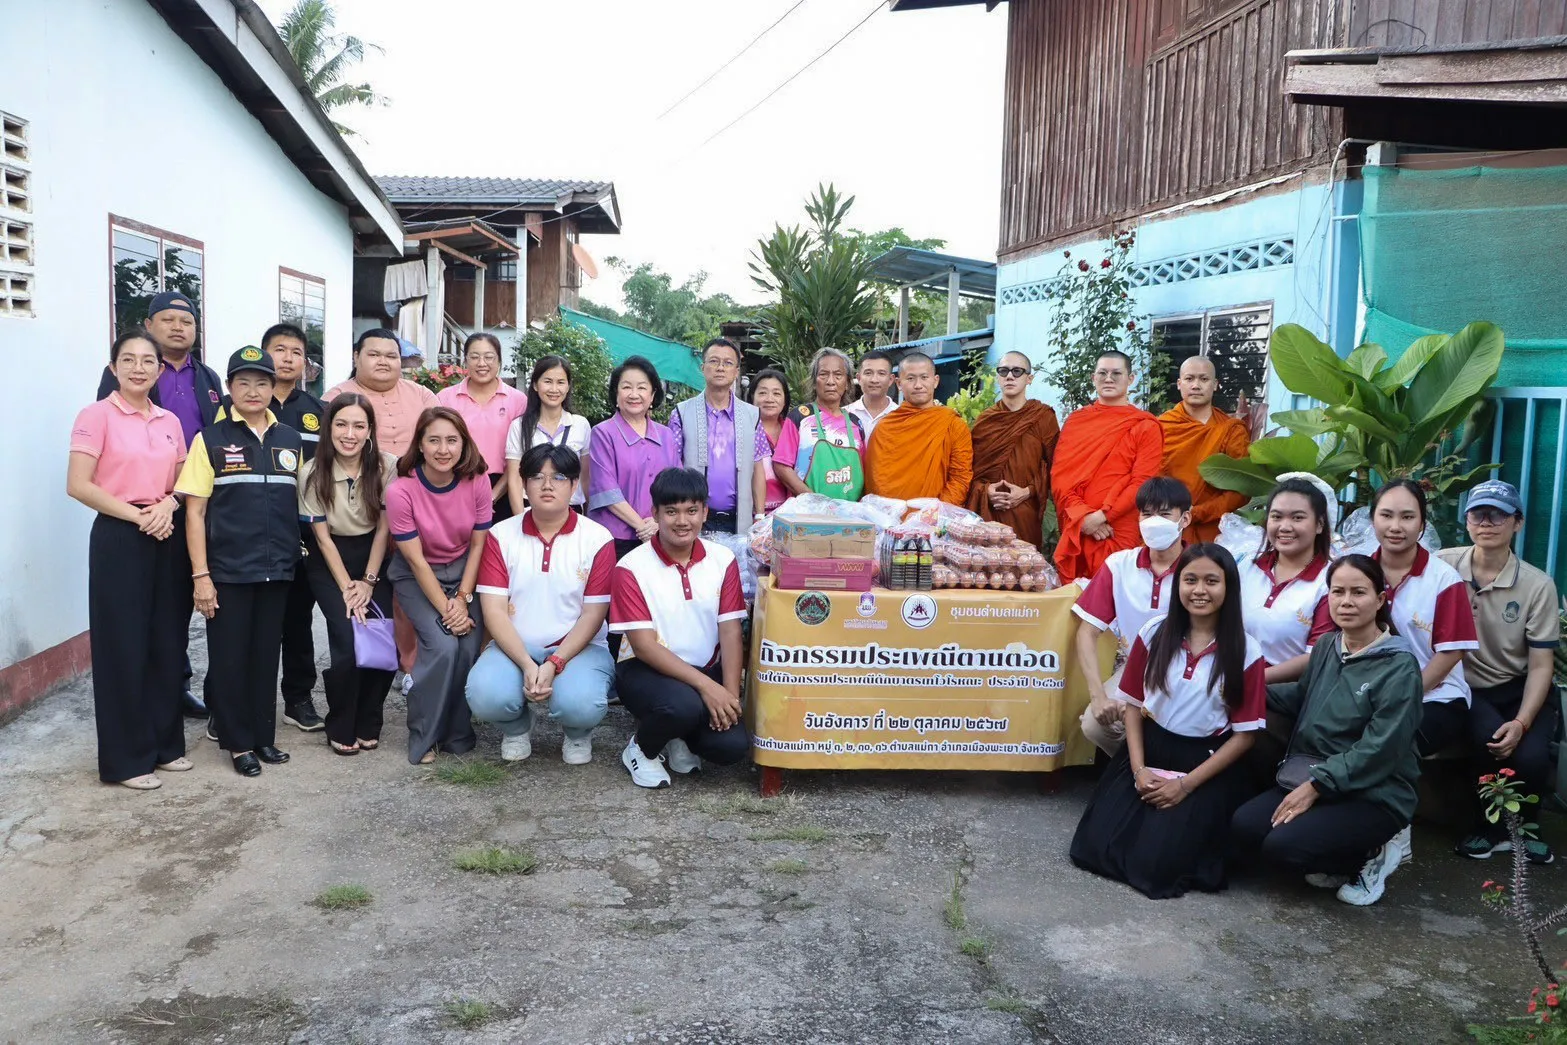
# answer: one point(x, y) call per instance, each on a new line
point(325, 57)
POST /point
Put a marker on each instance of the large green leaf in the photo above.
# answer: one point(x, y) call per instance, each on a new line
point(1457, 484)
point(1458, 372)
point(1306, 366)
point(1238, 474)
point(1368, 397)
point(1291, 453)
point(1363, 421)
point(1415, 356)
point(1336, 466)
point(1314, 421)
point(1367, 359)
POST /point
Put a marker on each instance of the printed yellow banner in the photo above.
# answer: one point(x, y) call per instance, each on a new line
point(950, 679)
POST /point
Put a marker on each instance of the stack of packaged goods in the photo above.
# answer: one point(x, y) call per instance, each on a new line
point(988, 555)
point(828, 546)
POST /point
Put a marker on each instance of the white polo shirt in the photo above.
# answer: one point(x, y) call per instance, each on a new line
point(682, 604)
point(1430, 608)
point(572, 433)
point(1286, 618)
point(867, 421)
point(548, 582)
point(1185, 705)
point(1125, 594)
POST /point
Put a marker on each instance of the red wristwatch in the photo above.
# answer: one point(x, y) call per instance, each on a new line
point(559, 664)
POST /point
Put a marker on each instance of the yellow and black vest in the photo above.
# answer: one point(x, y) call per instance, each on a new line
point(253, 514)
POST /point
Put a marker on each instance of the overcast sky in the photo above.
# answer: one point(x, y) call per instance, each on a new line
point(905, 114)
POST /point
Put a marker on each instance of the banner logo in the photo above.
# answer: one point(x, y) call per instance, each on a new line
point(919, 611)
point(812, 607)
point(867, 606)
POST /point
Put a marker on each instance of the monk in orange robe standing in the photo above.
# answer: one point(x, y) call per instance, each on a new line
point(1013, 444)
point(921, 449)
point(1106, 451)
point(1195, 430)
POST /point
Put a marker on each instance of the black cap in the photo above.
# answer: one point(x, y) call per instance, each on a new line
point(251, 358)
point(170, 299)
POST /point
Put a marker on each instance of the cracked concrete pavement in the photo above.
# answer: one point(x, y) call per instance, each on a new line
point(695, 914)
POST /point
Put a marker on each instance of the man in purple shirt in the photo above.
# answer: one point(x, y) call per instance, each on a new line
point(720, 435)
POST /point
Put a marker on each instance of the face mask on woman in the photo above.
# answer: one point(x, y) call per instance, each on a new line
point(1158, 532)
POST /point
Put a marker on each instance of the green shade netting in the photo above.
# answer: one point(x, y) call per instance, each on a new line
point(674, 361)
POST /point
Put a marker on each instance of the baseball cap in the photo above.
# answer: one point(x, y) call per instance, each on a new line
point(1493, 493)
point(251, 358)
point(170, 299)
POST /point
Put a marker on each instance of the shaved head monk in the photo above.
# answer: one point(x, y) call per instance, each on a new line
point(1195, 430)
point(1107, 450)
point(921, 449)
point(1013, 443)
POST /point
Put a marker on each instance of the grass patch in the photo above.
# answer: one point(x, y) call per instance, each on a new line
point(975, 948)
point(1008, 1004)
point(788, 867)
point(739, 804)
point(953, 911)
point(342, 897)
point(469, 1014)
point(799, 833)
point(493, 859)
point(470, 772)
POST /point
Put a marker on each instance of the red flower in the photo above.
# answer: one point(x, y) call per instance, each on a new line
point(1488, 778)
point(1066, 253)
point(1486, 885)
point(1552, 1000)
point(1083, 265)
point(1131, 326)
point(1506, 773)
point(1532, 1006)
point(1105, 263)
point(1535, 993)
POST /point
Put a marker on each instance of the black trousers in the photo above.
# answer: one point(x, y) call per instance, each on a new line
point(1443, 723)
point(242, 663)
point(1494, 705)
point(1332, 837)
point(299, 647)
point(355, 696)
point(502, 506)
point(138, 610)
point(720, 522)
point(667, 709)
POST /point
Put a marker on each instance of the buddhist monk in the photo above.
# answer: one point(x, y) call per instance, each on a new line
point(921, 449)
point(1195, 430)
point(1107, 450)
point(1013, 443)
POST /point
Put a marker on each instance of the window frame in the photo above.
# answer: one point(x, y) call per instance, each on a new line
point(18, 234)
point(164, 237)
point(284, 272)
point(1206, 317)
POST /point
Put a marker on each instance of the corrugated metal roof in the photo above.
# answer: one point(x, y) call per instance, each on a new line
point(929, 268)
point(426, 189)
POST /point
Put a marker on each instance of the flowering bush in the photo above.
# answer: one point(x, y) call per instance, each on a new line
point(436, 378)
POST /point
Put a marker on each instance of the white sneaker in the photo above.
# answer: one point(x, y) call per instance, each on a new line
point(1318, 880)
point(576, 751)
point(1406, 846)
point(517, 748)
point(680, 758)
point(408, 683)
point(645, 772)
point(1368, 886)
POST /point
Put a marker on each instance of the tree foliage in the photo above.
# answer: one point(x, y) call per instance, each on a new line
point(589, 359)
point(656, 305)
point(326, 58)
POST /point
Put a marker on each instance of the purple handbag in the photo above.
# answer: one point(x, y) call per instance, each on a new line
point(375, 647)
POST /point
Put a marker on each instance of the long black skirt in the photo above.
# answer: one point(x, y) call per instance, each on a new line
point(1160, 852)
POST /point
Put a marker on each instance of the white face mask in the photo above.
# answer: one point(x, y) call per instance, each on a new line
point(1158, 532)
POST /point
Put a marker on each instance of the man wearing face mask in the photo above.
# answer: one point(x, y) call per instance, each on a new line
point(1195, 430)
point(1107, 450)
point(1130, 589)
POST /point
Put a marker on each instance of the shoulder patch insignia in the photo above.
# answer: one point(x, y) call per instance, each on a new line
point(311, 422)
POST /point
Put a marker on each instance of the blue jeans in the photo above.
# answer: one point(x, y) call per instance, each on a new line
point(578, 703)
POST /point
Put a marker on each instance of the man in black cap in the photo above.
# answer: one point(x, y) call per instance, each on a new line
point(186, 387)
point(240, 484)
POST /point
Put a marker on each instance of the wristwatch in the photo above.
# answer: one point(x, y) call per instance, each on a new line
point(465, 596)
point(558, 664)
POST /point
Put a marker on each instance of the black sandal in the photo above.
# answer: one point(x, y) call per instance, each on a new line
point(343, 749)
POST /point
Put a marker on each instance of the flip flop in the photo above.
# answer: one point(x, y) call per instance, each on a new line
point(368, 745)
point(343, 749)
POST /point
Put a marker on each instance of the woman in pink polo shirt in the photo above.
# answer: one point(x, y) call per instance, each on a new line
point(489, 407)
point(439, 512)
point(126, 453)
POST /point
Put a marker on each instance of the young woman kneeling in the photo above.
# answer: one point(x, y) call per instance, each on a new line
point(1194, 694)
point(1347, 786)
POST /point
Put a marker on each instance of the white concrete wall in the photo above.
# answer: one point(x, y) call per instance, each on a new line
point(124, 119)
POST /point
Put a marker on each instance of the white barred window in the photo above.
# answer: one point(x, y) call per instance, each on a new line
point(17, 272)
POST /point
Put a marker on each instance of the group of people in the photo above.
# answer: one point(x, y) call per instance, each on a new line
point(1276, 705)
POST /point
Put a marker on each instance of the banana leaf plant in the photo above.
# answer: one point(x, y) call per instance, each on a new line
point(1417, 417)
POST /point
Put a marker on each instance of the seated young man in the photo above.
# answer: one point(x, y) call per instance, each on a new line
point(543, 586)
point(1513, 715)
point(1129, 590)
point(677, 601)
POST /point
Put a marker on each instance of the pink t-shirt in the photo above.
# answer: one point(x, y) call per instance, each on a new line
point(444, 518)
point(139, 455)
point(777, 493)
point(396, 412)
point(487, 422)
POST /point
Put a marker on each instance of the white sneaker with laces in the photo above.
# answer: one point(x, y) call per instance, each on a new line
point(645, 772)
point(1368, 886)
point(680, 758)
point(1406, 846)
point(576, 751)
point(517, 748)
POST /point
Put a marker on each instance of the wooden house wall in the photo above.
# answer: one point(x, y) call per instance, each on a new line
point(1447, 23)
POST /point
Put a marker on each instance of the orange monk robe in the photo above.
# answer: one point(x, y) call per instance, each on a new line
point(1187, 444)
point(1015, 446)
point(920, 452)
point(1104, 454)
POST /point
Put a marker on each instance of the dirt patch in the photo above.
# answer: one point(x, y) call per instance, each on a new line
point(190, 1019)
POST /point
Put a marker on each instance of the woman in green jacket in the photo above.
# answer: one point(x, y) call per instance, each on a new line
point(1347, 785)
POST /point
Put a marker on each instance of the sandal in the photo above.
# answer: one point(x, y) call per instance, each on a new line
point(368, 745)
point(428, 758)
point(344, 749)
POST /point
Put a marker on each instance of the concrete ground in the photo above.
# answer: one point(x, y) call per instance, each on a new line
point(871, 907)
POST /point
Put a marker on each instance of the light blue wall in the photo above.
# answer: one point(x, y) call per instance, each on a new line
point(1318, 289)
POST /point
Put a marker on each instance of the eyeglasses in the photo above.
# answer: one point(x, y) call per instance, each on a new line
point(552, 479)
point(1487, 516)
point(1011, 371)
point(721, 364)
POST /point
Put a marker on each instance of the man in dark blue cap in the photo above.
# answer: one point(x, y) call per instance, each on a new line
point(187, 388)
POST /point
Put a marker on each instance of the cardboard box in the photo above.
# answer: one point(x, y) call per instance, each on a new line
point(822, 537)
point(824, 574)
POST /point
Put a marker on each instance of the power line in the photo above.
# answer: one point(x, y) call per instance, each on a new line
point(734, 58)
point(879, 5)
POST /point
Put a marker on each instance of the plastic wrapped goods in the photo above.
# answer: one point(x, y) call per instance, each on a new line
point(1239, 537)
point(740, 546)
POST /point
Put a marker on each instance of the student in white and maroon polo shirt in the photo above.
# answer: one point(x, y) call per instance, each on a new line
point(677, 600)
point(544, 589)
point(1130, 589)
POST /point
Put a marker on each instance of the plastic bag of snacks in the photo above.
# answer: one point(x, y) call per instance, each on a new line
point(930, 511)
point(760, 541)
point(739, 545)
point(886, 511)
